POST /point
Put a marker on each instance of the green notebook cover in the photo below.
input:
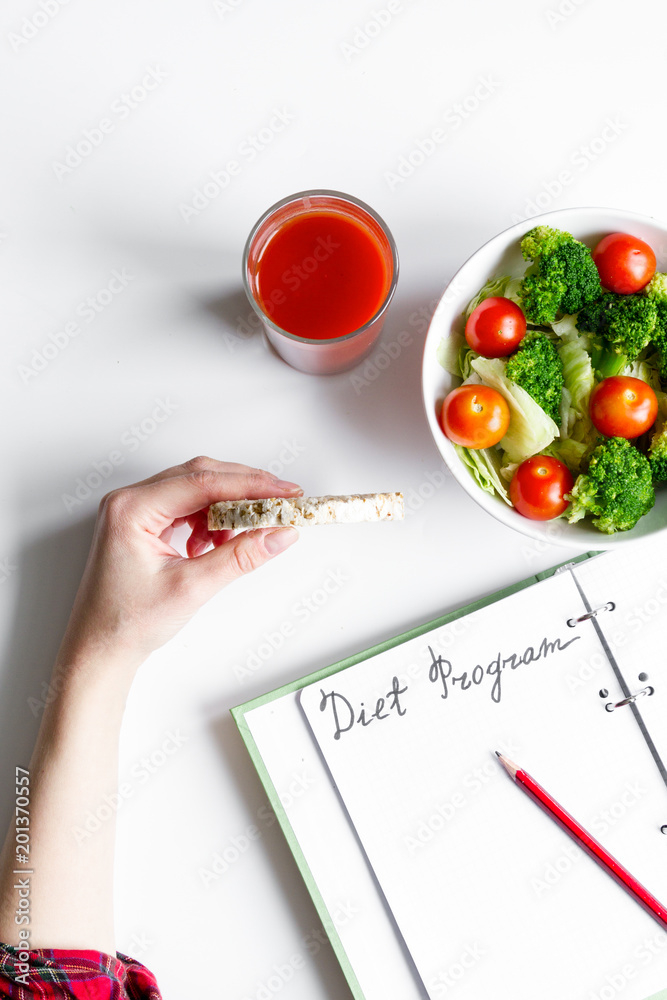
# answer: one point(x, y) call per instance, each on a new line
point(239, 713)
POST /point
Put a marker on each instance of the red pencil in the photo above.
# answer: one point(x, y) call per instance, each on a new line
point(585, 840)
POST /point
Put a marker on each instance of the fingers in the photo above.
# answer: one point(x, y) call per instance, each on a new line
point(155, 505)
point(201, 538)
point(198, 464)
point(239, 555)
point(159, 503)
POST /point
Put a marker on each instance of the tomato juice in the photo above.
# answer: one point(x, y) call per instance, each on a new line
point(320, 269)
point(322, 275)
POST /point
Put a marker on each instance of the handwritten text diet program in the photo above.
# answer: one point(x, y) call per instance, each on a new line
point(447, 680)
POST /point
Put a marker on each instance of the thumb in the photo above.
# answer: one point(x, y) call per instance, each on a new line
point(239, 555)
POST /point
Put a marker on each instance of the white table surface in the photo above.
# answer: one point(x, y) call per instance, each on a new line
point(353, 88)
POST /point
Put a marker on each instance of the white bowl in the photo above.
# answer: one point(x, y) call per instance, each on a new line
point(502, 255)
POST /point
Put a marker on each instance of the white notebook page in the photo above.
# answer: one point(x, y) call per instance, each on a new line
point(489, 894)
point(635, 581)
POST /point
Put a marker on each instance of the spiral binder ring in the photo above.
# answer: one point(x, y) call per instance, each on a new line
point(648, 690)
point(609, 606)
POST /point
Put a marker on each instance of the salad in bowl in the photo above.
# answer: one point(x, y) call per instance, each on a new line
point(544, 376)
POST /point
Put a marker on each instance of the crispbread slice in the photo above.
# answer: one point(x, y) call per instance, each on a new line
point(298, 511)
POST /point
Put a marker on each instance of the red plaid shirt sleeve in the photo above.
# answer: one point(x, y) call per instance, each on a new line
point(73, 975)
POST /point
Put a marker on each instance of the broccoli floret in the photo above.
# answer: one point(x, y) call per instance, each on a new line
point(659, 337)
point(538, 369)
point(656, 292)
point(626, 322)
point(623, 325)
point(542, 241)
point(657, 454)
point(617, 489)
point(541, 297)
point(657, 287)
point(565, 277)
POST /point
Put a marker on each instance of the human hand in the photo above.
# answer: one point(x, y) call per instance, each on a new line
point(137, 591)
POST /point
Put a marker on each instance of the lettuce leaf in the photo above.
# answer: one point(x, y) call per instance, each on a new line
point(450, 350)
point(644, 371)
point(530, 429)
point(572, 453)
point(466, 358)
point(578, 374)
point(484, 464)
point(579, 380)
point(507, 469)
point(505, 285)
point(566, 328)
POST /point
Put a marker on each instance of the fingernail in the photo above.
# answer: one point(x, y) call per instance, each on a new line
point(279, 540)
point(288, 487)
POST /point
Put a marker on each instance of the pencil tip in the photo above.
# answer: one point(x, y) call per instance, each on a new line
point(498, 753)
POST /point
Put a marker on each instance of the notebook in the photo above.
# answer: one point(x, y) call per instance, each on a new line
point(421, 852)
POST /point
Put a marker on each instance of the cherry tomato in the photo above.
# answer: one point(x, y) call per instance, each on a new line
point(475, 416)
point(625, 263)
point(539, 486)
point(496, 327)
point(622, 406)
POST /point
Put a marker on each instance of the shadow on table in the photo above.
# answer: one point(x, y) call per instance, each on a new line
point(332, 984)
point(48, 571)
point(237, 318)
point(381, 397)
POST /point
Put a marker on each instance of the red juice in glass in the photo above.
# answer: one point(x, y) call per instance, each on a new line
point(320, 269)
